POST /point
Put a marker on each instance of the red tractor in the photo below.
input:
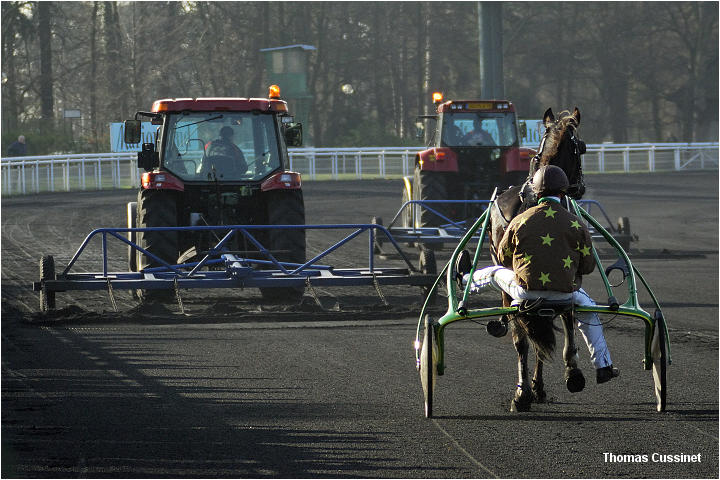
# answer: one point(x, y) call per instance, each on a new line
point(473, 148)
point(217, 161)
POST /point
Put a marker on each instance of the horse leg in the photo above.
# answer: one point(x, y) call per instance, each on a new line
point(538, 387)
point(523, 396)
point(574, 379)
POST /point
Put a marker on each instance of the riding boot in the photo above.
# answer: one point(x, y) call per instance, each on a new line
point(463, 265)
point(498, 328)
point(605, 374)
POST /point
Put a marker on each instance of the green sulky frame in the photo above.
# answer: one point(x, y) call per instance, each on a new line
point(431, 362)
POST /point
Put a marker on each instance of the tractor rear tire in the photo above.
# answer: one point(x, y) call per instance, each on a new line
point(429, 186)
point(132, 236)
point(285, 207)
point(156, 208)
point(625, 233)
point(427, 265)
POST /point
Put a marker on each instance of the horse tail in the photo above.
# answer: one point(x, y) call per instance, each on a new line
point(541, 332)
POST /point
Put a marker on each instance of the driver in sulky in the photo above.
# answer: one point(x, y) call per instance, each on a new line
point(224, 156)
point(543, 254)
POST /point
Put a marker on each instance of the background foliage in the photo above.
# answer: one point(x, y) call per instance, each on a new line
point(639, 71)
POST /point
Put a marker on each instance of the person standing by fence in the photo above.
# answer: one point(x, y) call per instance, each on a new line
point(18, 147)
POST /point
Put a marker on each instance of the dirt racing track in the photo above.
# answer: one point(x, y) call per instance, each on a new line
point(235, 388)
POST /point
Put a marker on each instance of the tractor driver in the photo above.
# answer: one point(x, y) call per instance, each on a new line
point(544, 253)
point(478, 136)
point(224, 156)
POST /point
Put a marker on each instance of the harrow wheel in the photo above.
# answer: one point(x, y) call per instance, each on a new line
point(428, 365)
point(659, 365)
point(47, 272)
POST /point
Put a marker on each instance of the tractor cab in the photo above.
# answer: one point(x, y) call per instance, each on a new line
point(473, 146)
point(217, 139)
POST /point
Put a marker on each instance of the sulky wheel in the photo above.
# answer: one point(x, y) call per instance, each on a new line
point(428, 365)
point(659, 359)
point(47, 272)
point(378, 238)
point(427, 265)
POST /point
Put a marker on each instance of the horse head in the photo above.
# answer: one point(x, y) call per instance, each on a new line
point(560, 146)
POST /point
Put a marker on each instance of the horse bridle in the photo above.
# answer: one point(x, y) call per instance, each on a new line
point(579, 148)
point(576, 190)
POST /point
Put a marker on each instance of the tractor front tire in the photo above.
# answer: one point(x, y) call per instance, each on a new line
point(285, 207)
point(156, 208)
point(406, 215)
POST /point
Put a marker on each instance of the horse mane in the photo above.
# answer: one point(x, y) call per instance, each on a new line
point(555, 135)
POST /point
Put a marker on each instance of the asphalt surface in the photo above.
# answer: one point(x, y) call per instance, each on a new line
point(239, 389)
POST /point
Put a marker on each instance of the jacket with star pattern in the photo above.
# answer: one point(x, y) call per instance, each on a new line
point(548, 248)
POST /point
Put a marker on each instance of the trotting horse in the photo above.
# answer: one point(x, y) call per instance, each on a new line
point(560, 146)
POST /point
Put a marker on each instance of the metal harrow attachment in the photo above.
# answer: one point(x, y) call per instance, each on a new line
point(220, 268)
point(429, 342)
point(404, 225)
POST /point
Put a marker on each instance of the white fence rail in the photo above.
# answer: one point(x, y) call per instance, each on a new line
point(23, 175)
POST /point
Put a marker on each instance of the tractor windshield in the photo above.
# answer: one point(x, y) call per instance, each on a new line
point(478, 129)
point(222, 146)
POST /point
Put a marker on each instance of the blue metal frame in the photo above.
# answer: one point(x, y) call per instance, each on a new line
point(453, 231)
point(238, 271)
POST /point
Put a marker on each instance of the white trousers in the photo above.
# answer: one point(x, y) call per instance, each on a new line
point(503, 279)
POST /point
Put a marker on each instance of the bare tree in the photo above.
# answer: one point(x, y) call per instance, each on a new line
point(113, 58)
point(46, 71)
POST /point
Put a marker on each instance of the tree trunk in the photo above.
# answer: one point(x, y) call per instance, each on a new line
point(10, 106)
point(46, 71)
point(92, 81)
point(117, 98)
point(423, 58)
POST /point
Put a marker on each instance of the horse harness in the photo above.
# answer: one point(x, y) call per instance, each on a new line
point(575, 190)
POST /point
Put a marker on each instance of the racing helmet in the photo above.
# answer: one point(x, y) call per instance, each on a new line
point(549, 180)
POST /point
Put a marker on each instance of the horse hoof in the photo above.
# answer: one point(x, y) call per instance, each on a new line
point(522, 401)
point(574, 380)
point(539, 396)
point(519, 406)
